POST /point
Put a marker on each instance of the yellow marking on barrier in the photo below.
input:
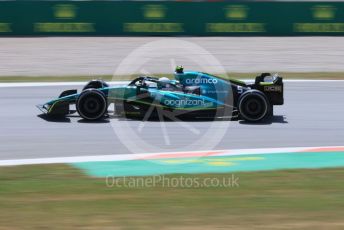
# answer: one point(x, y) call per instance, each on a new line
point(215, 161)
point(154, 11)
point(324, 12)
point(235, 27)
point(156, 27)
point(236, 12)
point(70, 27)
point(221, 163)
point(244, 158)
point(5, 27)
point(319, 27)
point(177, 161)
point(65, 11)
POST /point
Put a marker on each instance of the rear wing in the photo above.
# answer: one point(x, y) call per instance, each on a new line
point(271, 86)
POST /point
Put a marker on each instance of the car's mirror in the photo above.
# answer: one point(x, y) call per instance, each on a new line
point(269, 78)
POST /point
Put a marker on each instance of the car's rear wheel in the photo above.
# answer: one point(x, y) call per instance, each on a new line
point(254, 106)
point(91, 104)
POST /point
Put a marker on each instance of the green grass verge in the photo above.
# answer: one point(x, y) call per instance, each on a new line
point(61, 197)
point(315, 75)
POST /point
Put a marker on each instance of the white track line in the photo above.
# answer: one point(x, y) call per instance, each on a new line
point(234, 152)
point(45, 84)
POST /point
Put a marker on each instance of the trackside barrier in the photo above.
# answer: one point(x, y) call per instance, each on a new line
point(106, 18)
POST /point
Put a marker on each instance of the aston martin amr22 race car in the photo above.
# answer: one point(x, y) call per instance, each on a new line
point(191, 94)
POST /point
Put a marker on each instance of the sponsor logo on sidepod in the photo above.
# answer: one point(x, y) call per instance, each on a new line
point(201, 81)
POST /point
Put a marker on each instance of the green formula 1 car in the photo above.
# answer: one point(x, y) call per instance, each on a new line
point(192, 94)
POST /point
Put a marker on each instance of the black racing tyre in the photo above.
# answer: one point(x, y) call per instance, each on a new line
point(91, 104)
point(95, 84)
point(254, 106)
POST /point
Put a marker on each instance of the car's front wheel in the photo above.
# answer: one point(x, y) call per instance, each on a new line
point(91, 104)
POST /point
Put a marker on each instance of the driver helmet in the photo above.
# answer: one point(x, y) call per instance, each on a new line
point(179, 69)
point(164, 80)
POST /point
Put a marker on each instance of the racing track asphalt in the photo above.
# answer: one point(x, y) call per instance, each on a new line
point(102, 55)
point(312, 116)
